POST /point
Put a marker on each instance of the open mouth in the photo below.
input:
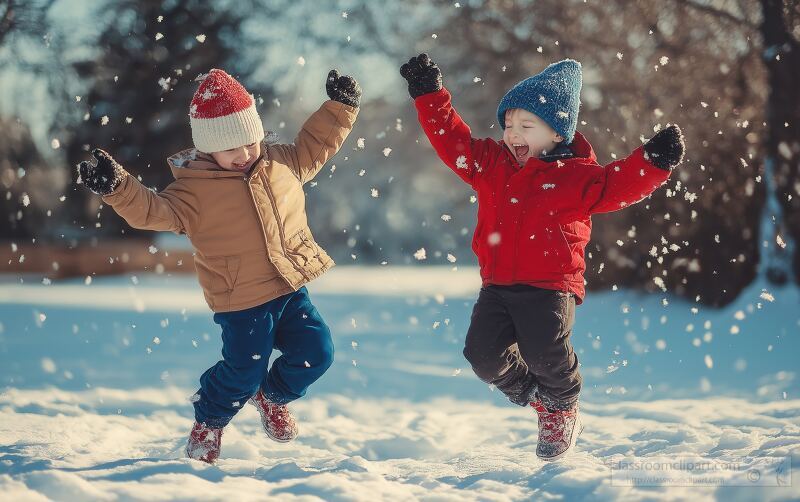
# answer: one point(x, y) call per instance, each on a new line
point(520, 150)
point(240, 166)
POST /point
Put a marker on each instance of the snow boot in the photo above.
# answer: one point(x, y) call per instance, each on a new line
point(558, 431)
point(278, 422)
point(204, 443)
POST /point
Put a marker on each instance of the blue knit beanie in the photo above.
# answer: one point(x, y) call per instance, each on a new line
point(553, 95)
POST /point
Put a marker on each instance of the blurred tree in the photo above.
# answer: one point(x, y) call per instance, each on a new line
point(780, 33)
point(28, 188)
point(20, 20)
point(140, 81)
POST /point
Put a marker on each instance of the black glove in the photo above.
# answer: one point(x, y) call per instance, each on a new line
point(422, 74)
point(665, 149)
point(343, 88)
point(103, 177)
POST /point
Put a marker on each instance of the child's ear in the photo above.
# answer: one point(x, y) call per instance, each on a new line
point(559, 138)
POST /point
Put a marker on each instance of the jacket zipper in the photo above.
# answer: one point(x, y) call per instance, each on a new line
point(286, 253)
point(258, 215)
point(519, 225)
point(516, 239)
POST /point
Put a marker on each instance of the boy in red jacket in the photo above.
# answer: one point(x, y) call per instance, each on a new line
point(537, 190)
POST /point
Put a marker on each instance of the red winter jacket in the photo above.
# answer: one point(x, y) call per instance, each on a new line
point(534, 221)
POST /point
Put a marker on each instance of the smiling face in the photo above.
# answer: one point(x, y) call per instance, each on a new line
point(528, 136)
point(239, 159)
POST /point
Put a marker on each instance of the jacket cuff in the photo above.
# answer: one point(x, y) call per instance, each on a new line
point(651, 170)
point(435, 97)
point(119, 194)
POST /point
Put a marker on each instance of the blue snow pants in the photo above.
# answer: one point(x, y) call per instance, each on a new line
point(289, 323)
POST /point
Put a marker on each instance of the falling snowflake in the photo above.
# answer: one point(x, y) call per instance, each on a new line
point(200, 38)
point(766, 295)
point(48, 366)
point(420, 254)
point(387, 151)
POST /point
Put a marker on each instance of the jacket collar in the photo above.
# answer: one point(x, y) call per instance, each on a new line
point(578, 149)
point(191, 163)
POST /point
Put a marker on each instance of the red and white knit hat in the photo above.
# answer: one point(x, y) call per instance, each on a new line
point(223, 114)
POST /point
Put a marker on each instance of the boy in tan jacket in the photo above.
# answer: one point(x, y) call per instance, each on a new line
point(240, 201)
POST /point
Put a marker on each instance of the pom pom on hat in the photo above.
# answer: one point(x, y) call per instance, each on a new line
point(223, 114)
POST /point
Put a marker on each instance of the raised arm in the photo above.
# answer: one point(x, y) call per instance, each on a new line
point(625, 182)
point(449, 135)
point(324, 132)
point(174, 209)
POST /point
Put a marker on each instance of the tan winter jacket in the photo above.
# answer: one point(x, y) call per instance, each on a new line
point(249, 230)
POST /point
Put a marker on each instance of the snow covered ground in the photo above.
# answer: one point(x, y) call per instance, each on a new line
point(96, 380)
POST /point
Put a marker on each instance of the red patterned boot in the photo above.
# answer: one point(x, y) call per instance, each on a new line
point(278, 422)
point(558, 431)
point(204, 443)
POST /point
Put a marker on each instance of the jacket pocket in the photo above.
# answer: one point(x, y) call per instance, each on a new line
point(217, 274)
point(565, 250)
point(301, 248)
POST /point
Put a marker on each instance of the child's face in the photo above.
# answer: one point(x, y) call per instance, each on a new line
point(238, 159)
point(527, 135)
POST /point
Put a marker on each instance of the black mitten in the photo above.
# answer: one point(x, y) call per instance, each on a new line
point(343, 88)
point(422, 74)
point(665, 149)
point(102, 177)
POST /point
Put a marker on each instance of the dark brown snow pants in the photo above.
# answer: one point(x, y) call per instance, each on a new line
point(519, 341)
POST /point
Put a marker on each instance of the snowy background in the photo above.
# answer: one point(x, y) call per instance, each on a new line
point(97, 378)
point(688, 337)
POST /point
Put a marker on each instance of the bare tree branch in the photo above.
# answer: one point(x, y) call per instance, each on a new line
point(718, 13)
